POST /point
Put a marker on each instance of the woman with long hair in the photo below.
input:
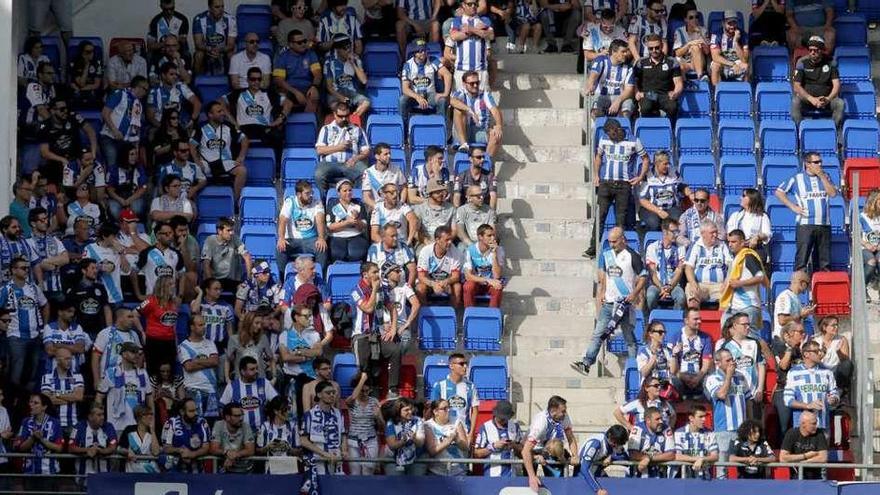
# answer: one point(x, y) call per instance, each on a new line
point(161, 312)
point(836, 351)
point(167, 390)
point(127, 182)
point(870, 222)
point(445, 440)
point(250, 341)
point(365, 423)
point(140, 439)
point(85, 74)
point(277, 436)
point(30, 59)
point(753, 220)
point(649, 396)
point(170, 130)
point(40, 433)
point(404, 439)
point(751, 448)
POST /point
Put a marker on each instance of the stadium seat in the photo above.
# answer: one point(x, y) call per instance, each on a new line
point(770, 64)
point(859, 99)
point(215, 202)
point(381, 59)
point(254, 19)
point(298, 164)
point(385, 129)
point(852, 30)
point(711, 323)
point(260, 241)
point(694, 136)
point(773, 101)
point(52, 47)
point(853, 63)
point(779, 281)
point(426, 130)
point(782, 249)
point(398, 158)
point(781, 217)
point(73, 47)
point(632, 380)
point(650, 237)
point(869, 174)
point(342, 279)
point(655, 133)
point(489, 375)
point(437, 328)
point(671, 319)
point(868, 8)
point(632, 240)
point(777, 169)
point(840, 251)
point(695, 101)
point(736, 137)
point(818, 135)
point(211, 88)
point(259, 206)
point(733, 100)
point(434, 369)
point(345, 368)
point(737, 173)
point(730, 205)
point(260, 164)
point(482, 329)
point(301, 130)
point(715, 21)
point(831, 293)
point(778, 138)
point(204, 231)
point(698, 170)
point(616, 344)
point(384, 94)
point(860, 138)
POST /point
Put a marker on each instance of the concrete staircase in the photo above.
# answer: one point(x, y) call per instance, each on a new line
point(544, 227)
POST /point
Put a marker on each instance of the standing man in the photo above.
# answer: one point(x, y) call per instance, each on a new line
point(659, 81)
point(249, 390)
point(741, 293)
point(64, 387)
point(787, 352)
point(816, 84)
point(199, 358)
point(323, 434)
point(471, 35)
point(812, 190)
point(747, 352)
point(695, 355)
point(342, 150)
point(123, 117)
point(551, 424)
point(622, 279)
point(614, 177)
point(665, 262)
point(51, 251)
point(787, 307)
point(810, 386)
point(728, 389)
point(29, 310)
point(107, 351)
point(94, 439)
point(464, 403)
point(375, 325)
point(224, 255)
point(125, 387)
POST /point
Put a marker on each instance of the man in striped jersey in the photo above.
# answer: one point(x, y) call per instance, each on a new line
point(53, 255)
point(599, 36)
point(706, 266)
point(728, 389)
point(500, 439)
point(93, 438)
point(552, 423)
point(652, 21)
point(413, 16)
point(812, 190)
point(730, 51)
point(460, 392)
point(611, 82)
point(64, 388)
point(810, 386)
point(477, 118)
point(564, 14)
point(419, 77)
point(598, 452)
point(29, 309)
point(470, 35)
point(616, 175)
point(650, 443)
point(696, 444)
point(249, 390)
point(339, 19)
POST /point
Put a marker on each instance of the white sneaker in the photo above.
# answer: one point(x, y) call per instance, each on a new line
point(511, 47)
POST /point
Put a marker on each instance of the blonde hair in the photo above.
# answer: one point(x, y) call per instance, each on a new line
point(872, 208)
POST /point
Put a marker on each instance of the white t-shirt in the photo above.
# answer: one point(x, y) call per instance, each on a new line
point(439, 268)
point(374, 179)
point(401, 295)
point(204, 379)
point(240, 63)
point(301, 220)
point(382, 215)
point(109, 269)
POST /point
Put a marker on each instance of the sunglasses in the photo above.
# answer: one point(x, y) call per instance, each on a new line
point(691, 17)
point(473, 83)
point(655, 48)
point(700, 200)
point(479, 157)
point(659, 332)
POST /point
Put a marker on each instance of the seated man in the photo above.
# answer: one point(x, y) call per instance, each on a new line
point(213, 146)
point(125, 66)
point(439, 269)
point(706, 266)
point(214, 34)
point(345, 78)
point(730, 52)
point(477, 118)
point(297, 73)
point(301, 227)
point(470, 216)
point(659, 81)
point(247, 59)
point(611, 82)
point(172, 95)
point(808, 18)
point(483, 268)
point(599, 37)
point(171, 52)
point(651, 443)
point(342, 150)
point(691, 46)
point(664, 259)
point(419, 83)
point(642, 25)
point(168, 22)
point(816, 84)
point(259, 113)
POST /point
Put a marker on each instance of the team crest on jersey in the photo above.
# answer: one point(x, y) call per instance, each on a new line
point(457, 402)
point(215, 144)
point(250, 403)
point(665, 67)
point(254, 110)
point(164, 271)
point(169, 318)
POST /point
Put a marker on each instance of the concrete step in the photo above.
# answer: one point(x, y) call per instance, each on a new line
point(541, 135)
point(519, 304)
point(590, 416)
point(529, 228)
point(526, 81)
point(545, 346)
point(561, 249)
point(543, 153)
point(528, 326)
point(544, 208)
point(542, 117)
point(543, 190)
point(538, 98)
point(539, 172)
point(545, 267)
point(547, 286)
point(549, 63)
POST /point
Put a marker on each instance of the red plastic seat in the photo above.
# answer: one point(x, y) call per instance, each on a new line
point(869, 174)
point(831, 293)
point(711, 324)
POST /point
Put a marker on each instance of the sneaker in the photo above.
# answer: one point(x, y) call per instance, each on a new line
point(392, 395)
point(511, 47)
point(589, 253)
point(567, 49)
point(463, 147)
point(581, 367)
point(551, 48)
point(704, 77)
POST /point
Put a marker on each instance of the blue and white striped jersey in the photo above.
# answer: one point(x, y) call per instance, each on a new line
point(730, 412)
point(217, 316)
point(694, 350)
point(332, 134)
point(215, 31)
point(619, 159)
point(39, 464)
point(748, 357)
point(9, 250)
point(252, 397)
point(710, 264)
point(73, 335)
point(85, 436)
point(417, 10)
point(471, 53)
point(727, 45)
point(462, 397)
point(612, 78)
point(126, 115)
point(161, 98)
point(422, 77)
point(665, 357)
point(481, 106)
point(640, 27)
point(663, 191)
point(637, 409)
point(53, 384)
point(24, 305)
point(642, 439)
point(491, 433)
point(48, 246)
point(597, 40)
point(699, 443)
point(810, 195)
point(331, 24)
point(807, 385)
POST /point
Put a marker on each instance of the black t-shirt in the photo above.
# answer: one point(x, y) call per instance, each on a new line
point(816, 77)
point(658, 76)
point(89, 301)
point(64, 140)
point(795, 443)
point(778, 348)
point(745, 449)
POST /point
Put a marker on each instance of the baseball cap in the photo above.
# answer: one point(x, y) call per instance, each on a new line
point(388, 267)
point(261, 267)
point(129, 347)
point(435, 185)
point(730, 14)
point(816, 41)
point(503, 410)
point(341, 40)
point(420, 45)
point(127, 215)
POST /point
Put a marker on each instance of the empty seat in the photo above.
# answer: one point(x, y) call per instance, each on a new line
point(345, 368)
point(853, 63)
point(260, 241)
point(782, 249)
point(711, 323)
point(655, 133)
point(738, 173)
point(381, 59)
point(781, 217)
point(859, 99)
point(733, 100)
point(671, 318)
point(342, 279)
point(770, 64)
point(426, 130)
point(778, 138)
point(736, 137)
point(437, 328)
point(860, 138)
point(385, 129)
point(482, 329)
point(650, 237)
point(869, 174)
point(254, 19)
point(260, 164)
point(852, 30)
point(695, 101)
point(698, 171)
point(384, 94)
point(632, 379)
point(211, 88)
point(52, 50)
point(840, 251)
point(818, 135)
point(489, 376)
point(434, 369)
point(773, 101)
point(298, 164)
point(301, 130)
point(775, 170)
point(730, 205)
point(831, 293)
point(693, 136)
point(259, 205)
point(215, 202)
point(837, 213)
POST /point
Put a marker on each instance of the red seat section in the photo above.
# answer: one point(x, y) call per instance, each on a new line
point(831, 293)
point(869, 175)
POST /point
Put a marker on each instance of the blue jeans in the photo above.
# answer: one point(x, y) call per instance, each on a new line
point(352, 249)
point(137, 206)
point(871, 262)
point(24, 360)
point(653, 296)
point(296, 247)
point(627, 326)
point(328, 173)
point(407, 105)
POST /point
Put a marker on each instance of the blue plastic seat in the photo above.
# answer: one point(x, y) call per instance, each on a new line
point(859, 99)
point(837, 214)
point(342, 279)
point(632, 240)
point(781, 217)
point(655, 133)
point(426, 130)
point(773, 101)
point(259, 205)
point(736, 137)
point(650, 237)
point(695, 101)
point(345, 368)
point(204, 231)
point(437, 328)
point(301, 130)
point(782, 249)
point(260, 241)
point(381, 59)
point(260, 164)
point(779, 281)
point(482, 329)
point(770, 64)
point(840, 251)
point(853, 63)
point(730, 205)
point(852, 30)
point(698, 171)
point(254, 19)
point(869, 9)
point(819, 135)
point(671, 319)
point(860, 138)
point(489, 375)
point(52, 47)
point(778, 138)
point(632, 380)
point(738, 173)
point(211, 88)
point(215, 202)
point(694, 136)
point(385, 129)
point(733, 100)
point(434, 369)
point(298, 164)
point(264, 46)
point(777, 169)
point(73, 46)
point(616, 344)
point(384, 94)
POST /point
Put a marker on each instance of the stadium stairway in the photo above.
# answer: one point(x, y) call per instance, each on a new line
point(548, 304)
